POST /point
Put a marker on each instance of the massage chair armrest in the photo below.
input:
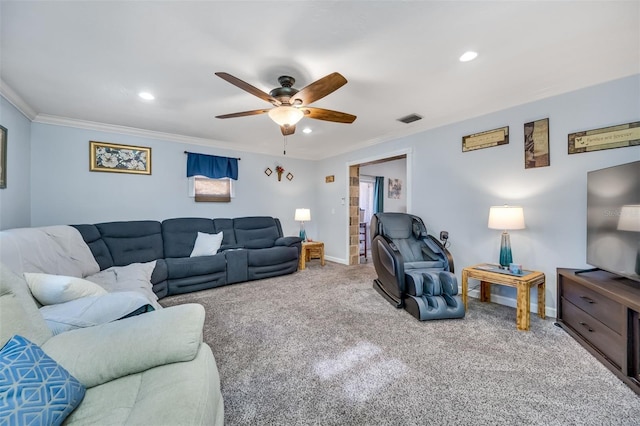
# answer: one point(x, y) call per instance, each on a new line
point(99, 354)
point(444, 250)
point(390, 262)
point(288, 241)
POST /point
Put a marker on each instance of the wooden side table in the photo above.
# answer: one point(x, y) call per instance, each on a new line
point(311, 250)
point(521, 283)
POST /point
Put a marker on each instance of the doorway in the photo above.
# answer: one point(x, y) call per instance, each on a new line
point(394, 169)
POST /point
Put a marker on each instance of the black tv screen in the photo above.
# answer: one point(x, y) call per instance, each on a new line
point(613, 219)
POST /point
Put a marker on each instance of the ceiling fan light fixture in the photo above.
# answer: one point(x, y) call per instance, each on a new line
point(286, 115)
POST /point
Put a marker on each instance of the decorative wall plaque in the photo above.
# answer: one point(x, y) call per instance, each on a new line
point(486, 139)
point(619, 136)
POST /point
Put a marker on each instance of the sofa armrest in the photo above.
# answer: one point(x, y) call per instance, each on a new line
point(288, 241)
point(96, 355)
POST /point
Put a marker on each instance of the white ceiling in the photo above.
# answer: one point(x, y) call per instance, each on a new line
point(87, 60)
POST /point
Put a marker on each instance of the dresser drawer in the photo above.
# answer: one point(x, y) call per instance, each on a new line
point(609, 312)
point(605, 340)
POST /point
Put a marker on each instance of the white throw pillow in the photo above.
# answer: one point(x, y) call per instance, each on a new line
point(206, 244)
point(93, 310)
point(52, 289)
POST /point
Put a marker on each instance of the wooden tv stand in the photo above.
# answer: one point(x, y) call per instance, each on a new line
point(602, 312)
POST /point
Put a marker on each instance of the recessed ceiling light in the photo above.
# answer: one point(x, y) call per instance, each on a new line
point(307, 130)
point(146, 96)
point(468, 56)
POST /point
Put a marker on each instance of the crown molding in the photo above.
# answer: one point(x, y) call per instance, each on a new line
point(14, 99)
point(133, 131)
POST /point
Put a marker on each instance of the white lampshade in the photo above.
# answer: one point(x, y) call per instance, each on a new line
point(506, 217)
point(303, 215)
point(286, 115)
point(629, 218)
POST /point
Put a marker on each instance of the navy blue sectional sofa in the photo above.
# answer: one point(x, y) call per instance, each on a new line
point(252, 248)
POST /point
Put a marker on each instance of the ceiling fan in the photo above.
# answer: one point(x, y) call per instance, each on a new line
point(290, 104)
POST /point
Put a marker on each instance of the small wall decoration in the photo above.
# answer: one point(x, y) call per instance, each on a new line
point(395, 188)
point(3, 157)
point(486, 139)
point(619, 136)
point(279, 171)
point(536, 144)
point(329, 179)
point(109, 157)
point(268, 171)
point(289, 176)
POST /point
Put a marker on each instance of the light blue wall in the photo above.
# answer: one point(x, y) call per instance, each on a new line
point(50, 182)
point(64, 191)
point(15, 199)
point(453, 191)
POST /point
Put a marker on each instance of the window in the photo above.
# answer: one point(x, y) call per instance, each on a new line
point(204, 189)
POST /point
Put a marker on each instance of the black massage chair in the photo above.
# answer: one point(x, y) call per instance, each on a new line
point(415, 271)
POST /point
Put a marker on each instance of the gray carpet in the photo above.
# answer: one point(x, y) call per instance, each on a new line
point(322, 347)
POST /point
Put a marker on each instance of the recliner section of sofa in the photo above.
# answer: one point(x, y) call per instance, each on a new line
point(252, 248)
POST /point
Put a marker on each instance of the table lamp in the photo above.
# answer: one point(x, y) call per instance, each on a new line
point(506, 218)
point(303, 215)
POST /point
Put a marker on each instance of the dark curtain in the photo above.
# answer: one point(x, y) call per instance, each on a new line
point(211, 166)
point(378, 195)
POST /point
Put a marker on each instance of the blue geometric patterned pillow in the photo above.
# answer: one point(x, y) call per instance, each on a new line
point(34, 389)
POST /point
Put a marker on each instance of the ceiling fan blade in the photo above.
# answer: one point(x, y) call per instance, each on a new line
point(328, 115)
point(288, 130)
point(319, 89)
point(248, 88)
point(243, 114)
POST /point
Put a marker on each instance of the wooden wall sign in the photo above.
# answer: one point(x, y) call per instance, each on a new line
point(619, 136)
point(485, 139)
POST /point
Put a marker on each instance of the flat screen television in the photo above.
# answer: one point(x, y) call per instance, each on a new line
point(613, 219)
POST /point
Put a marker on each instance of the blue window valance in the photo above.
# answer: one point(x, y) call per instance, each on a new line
point(211, 166)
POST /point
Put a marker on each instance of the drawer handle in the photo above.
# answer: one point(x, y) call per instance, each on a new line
point(584, 324)
point(587, 299)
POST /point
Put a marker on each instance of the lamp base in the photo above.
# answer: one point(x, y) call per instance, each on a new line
point(505, 250)
point(303, 234)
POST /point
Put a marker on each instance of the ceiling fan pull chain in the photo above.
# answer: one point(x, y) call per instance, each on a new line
point(284, 147)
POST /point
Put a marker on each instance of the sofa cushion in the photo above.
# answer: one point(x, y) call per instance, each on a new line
point(206, 244)
point(50, 249)
point(259, 243)
point(133, 241)
point(134, 277)
point(51, 289)
point(190, 391)
point(248, 229)
point(179, 234)
point(226, 226)
point(99, 249)
point(194, 266)
point(96, 355)
point(35, 389)
point(271, 256)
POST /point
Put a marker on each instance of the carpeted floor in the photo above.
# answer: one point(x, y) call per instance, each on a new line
point(322, 347)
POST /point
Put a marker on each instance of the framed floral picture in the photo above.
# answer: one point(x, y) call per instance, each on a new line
point(110, 157)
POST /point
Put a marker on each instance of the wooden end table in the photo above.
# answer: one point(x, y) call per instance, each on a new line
point(311, 250)
point(522, 283)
